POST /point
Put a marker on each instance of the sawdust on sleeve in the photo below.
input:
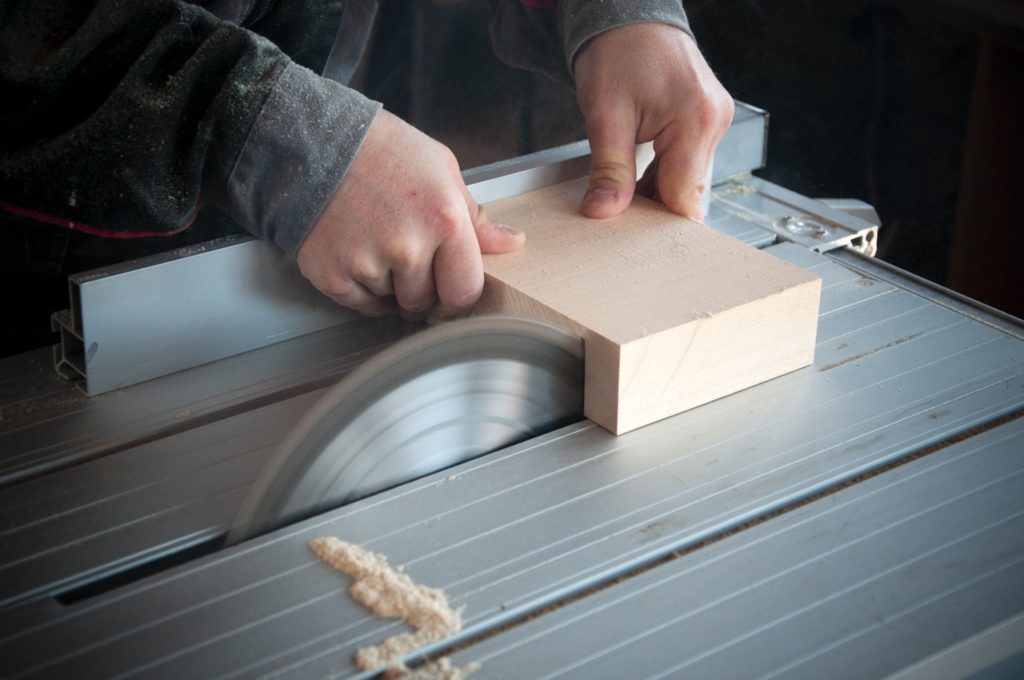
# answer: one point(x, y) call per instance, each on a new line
point(390, 593)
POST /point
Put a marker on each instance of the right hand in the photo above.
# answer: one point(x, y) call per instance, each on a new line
point(641, 83)
point(401, 233)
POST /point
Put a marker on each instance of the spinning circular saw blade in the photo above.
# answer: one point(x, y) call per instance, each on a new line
point(431, 401)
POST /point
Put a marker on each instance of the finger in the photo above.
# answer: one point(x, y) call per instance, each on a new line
point(493, 238)
point(681, 174)
point(381, 285)
point(414, 288)
point(647, 186)
point(612, 134)
point(370, 270)
point(458, 272)
point(359, 299)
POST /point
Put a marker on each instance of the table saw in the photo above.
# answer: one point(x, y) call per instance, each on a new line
point(861, 517)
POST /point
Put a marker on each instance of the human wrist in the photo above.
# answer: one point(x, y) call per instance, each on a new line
point(296, 155)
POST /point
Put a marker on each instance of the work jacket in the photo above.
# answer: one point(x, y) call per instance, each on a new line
point(124, 117)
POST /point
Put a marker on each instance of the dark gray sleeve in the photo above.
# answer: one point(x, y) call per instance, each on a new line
point(546, 35)
point(121, 117)
point(296, 154)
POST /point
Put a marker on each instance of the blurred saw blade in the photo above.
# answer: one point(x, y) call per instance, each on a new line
point(431, 401)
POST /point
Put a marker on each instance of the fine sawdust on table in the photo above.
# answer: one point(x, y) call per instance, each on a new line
point(389, 593)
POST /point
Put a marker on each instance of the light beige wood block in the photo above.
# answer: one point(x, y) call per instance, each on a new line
point(673, 313)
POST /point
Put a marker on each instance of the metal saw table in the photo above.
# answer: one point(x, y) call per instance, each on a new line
point(863, 517)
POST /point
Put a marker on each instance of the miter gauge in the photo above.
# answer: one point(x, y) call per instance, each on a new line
point(438, 398)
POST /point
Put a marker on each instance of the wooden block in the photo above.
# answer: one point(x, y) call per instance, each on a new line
point(673, 313)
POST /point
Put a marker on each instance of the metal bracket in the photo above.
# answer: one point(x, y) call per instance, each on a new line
point(811, 223)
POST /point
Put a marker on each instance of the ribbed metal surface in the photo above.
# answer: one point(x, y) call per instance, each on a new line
point(859, 584)
point(73, 526)
point(521, 528)
point(47, 424)
point(739, 229)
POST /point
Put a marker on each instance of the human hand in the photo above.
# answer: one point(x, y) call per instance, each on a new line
point(641, 83)
point(401, 233)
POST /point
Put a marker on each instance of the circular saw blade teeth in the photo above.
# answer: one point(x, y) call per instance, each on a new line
point(439, 398)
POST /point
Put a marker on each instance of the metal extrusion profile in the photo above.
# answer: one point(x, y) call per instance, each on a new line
point(152, 317)
point(533, 171)
point(745, 147)
point(811, 223)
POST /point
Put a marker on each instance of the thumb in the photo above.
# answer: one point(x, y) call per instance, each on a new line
point(494, 238)
point(612, 163)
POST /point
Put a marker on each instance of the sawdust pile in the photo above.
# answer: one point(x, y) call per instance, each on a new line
point(390, 593)
point(441, 669)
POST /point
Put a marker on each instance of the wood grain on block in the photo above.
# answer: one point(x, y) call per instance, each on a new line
point(673, 313)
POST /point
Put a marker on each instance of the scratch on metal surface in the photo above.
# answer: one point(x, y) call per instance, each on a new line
point(897, 341)
point(655, 530)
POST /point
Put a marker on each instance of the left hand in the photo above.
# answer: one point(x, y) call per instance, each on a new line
point(641, 83)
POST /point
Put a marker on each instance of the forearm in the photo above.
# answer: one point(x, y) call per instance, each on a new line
point(546, 35)
point(582, 20)
point(299, 148)
point(125, 115)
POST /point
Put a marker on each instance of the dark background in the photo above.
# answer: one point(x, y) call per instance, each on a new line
point(914, 106)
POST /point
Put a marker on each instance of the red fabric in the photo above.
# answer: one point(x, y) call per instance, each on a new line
point(87, 229)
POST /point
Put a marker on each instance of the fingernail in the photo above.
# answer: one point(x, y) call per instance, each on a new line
point(599, 195)
point(511, 231)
